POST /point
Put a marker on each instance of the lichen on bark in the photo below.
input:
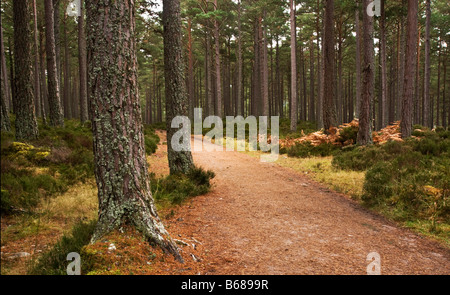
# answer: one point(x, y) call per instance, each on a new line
point(120, 164)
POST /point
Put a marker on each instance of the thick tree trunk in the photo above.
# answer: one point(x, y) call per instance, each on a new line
point(329, 110)
point(410, 66)
point(365, 125)
point(176, 98)
point(26, 124)
point(293, 96)
point(56, 114)
point(120, 164)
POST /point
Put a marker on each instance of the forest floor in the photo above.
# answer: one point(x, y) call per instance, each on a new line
point(259, 218)
point(262, 218)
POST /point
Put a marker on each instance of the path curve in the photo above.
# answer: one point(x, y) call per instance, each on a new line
point(261, 218)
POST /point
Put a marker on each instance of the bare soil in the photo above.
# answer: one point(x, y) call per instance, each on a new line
point(261, 218)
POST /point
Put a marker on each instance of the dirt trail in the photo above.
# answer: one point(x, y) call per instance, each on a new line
point(262, 218)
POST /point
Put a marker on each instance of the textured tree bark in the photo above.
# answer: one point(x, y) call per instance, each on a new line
point(293, 96)
point(120, 164)
point(54, 101)
point(329, 110)
point(368, 73)
point(410, 65)
point(176, 99)
point(84, 115)
point(26, 124)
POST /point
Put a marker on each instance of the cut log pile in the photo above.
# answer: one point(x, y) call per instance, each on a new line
point(391, 132)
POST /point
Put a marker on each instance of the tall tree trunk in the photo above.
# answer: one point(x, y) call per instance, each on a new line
point(365, 125)
point(410, 65)
point(218, 92)
point(312, 111)
point(329, 110)
point(416, 107)
point(56, 114)
point(56, 27)
point(426, 91)
point(190, 78)
point(44, 92)
point(121, 169)
point(12, 105)
point(438, 94)
point(339, 94)
point(208, 77)
point(239, 110)
point(66, 92)
point(293, 95)
point(401, 60)
point(383, 109)
point(264, 70)
point(444, 98)
point(37, 86)
point(26, 124)
point(82, 66)
point(5, 82)
point(358, 59)
point(175, 90)
point(320, 43)
point(5, 123)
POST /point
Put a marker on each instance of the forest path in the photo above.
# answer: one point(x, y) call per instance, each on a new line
point(261, 218)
